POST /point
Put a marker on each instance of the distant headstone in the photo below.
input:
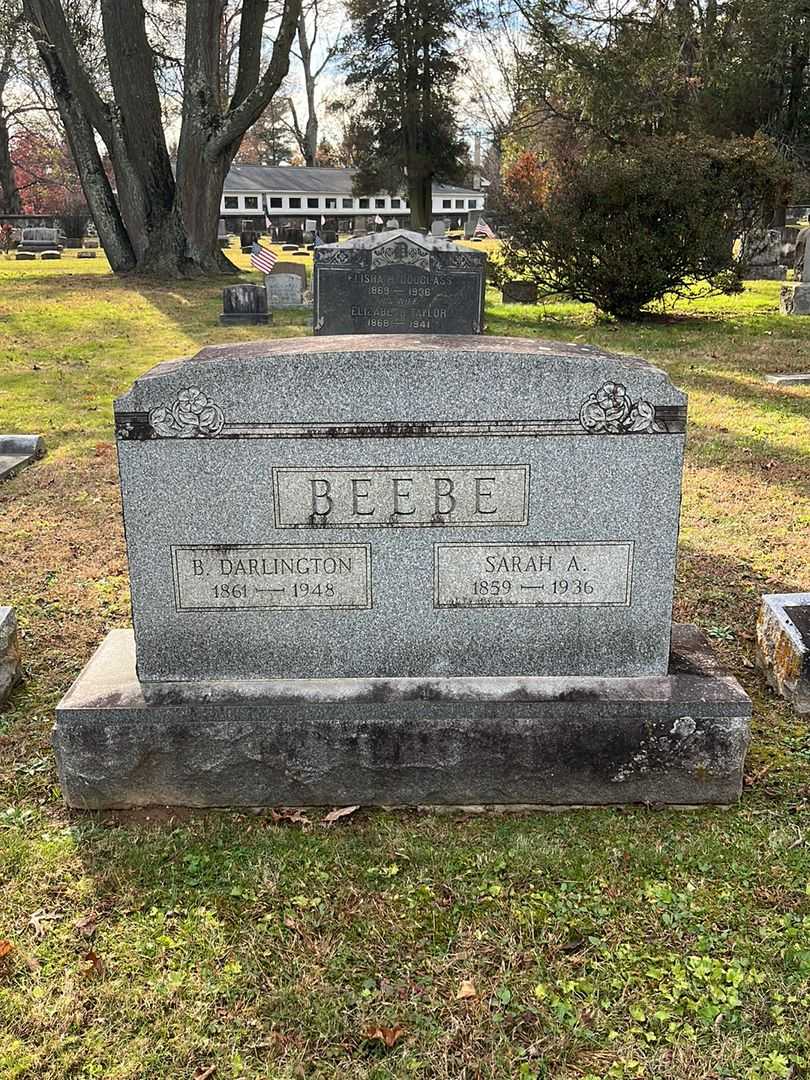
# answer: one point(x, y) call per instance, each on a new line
point(329, 236)
point(223, 236)
point(289, 247)
point(284, 290)
point(795, 295)
point(310, 225)
point(85, 255)
point(25, 256)
point(287, 267)
point(40, 239)
point(783, 646)
point(438, 227)
point(10, 662)
point(402, 570)
point(245, 304)
point(51, 255)
point(91, 243)
point(392, 223)
point(519, 292)
point(398, 283)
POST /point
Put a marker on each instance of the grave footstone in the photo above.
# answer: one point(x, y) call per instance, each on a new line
point(398, 282)
point(789, 378)
point(783, 646)
point(519, 292)
point(48, 255)
point(245, 304)
point(17, 451)
point(25, 256)
point(86, 255)
point(10, 663)
point(406, 570)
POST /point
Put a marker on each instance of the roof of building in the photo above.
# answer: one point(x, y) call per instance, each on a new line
point(295, 178)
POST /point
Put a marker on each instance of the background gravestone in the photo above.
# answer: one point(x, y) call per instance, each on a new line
point(398, 282)
point(289, 267)
point(795, 295)
point(284, 290)
point(519, 292)
point(244, 304)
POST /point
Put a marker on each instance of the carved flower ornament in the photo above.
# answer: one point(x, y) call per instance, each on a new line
point(610, 411)
point(190, 415)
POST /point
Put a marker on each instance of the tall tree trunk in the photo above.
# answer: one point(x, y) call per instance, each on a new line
point(9, 195)
point(159, 225)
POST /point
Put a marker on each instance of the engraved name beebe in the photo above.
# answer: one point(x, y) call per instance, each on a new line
point(400, 496)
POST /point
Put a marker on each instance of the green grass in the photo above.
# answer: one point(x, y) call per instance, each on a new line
point(600, 944)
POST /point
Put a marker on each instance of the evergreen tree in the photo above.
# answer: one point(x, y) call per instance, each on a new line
point(399, 58)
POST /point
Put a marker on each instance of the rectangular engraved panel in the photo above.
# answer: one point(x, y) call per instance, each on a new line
point(223, 577)
point(532, 575)
point(400, 496)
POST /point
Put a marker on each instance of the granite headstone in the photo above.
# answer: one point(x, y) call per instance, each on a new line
point(402, 569)
point(398, 282)
point(284, 290)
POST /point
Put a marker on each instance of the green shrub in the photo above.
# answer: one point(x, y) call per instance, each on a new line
point(622, 227)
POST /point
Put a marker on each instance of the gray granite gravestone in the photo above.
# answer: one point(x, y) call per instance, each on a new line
point(17, 451)
point(289, 267)
point(284, 290)
point(356, 577)
point(398, 282)
point(10, 665)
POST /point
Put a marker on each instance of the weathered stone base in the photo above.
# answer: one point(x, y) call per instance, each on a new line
point(245, 318)
point(794, 299)
point(678, 739)
point(783, 646)
point(10, 665)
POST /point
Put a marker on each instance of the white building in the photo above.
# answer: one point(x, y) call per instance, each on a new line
point(288, 195)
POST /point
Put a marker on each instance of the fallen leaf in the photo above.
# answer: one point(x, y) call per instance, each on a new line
point(466, 990)
point(5, 949)
point(339, 812)
point(204, 1074)
point(295, 817)
point(86, 924)
point(39, 921)
point(94, 964)
point(388, 1035)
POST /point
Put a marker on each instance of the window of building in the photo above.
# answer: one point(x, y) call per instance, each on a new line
point(331, 204)
point(251, 202)
point(295, 202)
point(396, 203)
point(231, 202)
point(313, 204)
point(363, 204)
point(472, 204)
point(348, 204)
point(459, 204)
point(379, 203)
point(447, 204)
point(275, 202)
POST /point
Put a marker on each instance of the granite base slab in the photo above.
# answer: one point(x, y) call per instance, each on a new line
point(678, 739)
point(790, 378)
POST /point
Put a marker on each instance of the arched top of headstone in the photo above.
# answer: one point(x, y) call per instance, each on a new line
point(407, 385)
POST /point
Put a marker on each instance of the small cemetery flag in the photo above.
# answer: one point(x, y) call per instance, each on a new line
point(262, 258)
point(482, 229)
point(378, 220)
point(323, 219)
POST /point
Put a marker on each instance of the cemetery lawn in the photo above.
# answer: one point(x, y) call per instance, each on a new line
point(619, 943)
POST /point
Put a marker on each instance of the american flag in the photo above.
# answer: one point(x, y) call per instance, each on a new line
point(261, 258)
point(482, 229)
